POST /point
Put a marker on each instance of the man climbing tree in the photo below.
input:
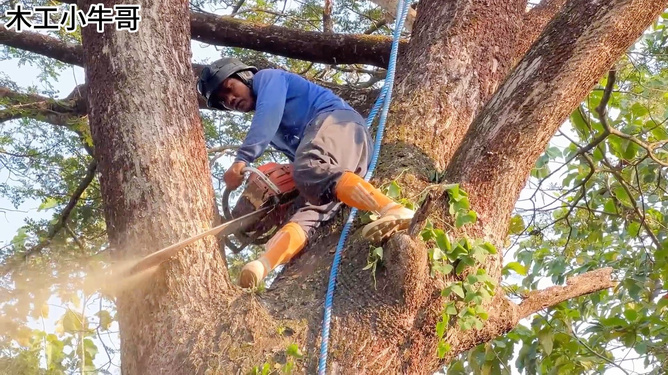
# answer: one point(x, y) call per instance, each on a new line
point(323, 136)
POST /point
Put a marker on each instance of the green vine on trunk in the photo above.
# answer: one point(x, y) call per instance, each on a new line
point(472, 286)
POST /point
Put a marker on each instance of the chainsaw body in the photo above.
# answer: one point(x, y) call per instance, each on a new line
point(269, 185)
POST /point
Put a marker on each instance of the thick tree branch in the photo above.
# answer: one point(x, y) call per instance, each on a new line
point(57, 112)
point(297, 44)
point(62, 221)
point(576, 286)
point(44, 45)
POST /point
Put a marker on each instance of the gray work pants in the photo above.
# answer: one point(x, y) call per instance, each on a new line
point(333, 143)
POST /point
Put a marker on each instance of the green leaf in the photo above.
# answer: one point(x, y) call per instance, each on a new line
point(444, 269)
point(663, 303)
point(463, 265)
point(394, 191)
point(579, 123)
point(630, 314)
point(440, 328)
point(72, 322)
point(54, 352)
point(378, 253)
point(634, 229)
point(464, 219)
point(610, 207)
point(553, 152)
point(436, 254)
point(47, 204)
point(614, 322)
point(516, 225)
point(479, 253)
point(91, 351)
point(456, 289)
point(443, 349)
point(630, 150)
point(450, 308)
point(293, 350)
point(623, 197)
point(442, 240)
point(105, 319)
point(546, 340)
point(20, 237)
point(639, 110)
point(515, 266)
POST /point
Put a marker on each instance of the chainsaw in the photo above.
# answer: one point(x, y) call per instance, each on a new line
point(264, 205)
point(269, 186)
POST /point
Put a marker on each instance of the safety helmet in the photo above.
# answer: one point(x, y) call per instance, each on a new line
point(213, 75)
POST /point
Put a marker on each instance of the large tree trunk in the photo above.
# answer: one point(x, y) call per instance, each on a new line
point(188, 317)
point(156, 187)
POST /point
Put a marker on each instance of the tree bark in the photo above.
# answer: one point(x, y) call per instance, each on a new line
point(156, 188)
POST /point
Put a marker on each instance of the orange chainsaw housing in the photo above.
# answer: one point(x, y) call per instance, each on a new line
point(259, 194)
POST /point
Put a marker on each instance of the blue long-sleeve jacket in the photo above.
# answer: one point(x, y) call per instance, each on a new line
point(285, 104)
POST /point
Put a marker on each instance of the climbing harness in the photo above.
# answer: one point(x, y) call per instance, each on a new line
point(384, 98)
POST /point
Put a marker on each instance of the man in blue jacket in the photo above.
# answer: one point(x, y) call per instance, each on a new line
point(325, 139)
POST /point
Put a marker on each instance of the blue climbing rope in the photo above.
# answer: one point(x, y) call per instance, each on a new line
point(384, 98)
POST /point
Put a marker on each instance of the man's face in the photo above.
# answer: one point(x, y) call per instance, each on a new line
point(235, 95)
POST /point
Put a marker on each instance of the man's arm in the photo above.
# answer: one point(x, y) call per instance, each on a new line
point(269, 106)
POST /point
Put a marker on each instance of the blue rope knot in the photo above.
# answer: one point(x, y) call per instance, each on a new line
point(384, 98)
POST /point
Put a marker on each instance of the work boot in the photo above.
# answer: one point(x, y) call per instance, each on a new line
point(393, 217)
point(282, 247)
point(254, 272)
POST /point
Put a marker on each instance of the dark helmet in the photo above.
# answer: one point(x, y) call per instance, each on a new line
point(213, 75)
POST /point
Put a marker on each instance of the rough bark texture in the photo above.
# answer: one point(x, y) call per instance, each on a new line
point(156, 187)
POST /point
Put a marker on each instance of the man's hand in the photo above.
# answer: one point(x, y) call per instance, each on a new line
point(234, 176)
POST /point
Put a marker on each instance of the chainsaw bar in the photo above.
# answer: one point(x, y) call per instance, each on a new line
point(225, 228)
